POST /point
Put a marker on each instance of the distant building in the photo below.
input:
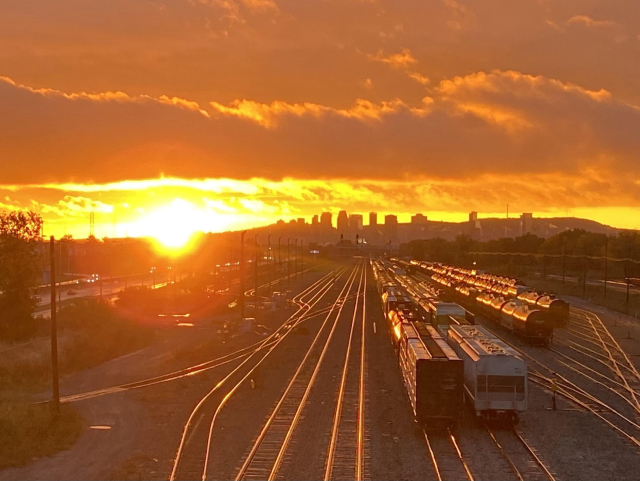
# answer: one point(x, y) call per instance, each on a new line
point(526, 223)
point(391, 227)
point(373, 218)
point(355, 222)
point(419, 219)
point(342, 222)
point(280, 222)
point(301, 220)
point(325, 219)
point(314, 220)
point(473, 226)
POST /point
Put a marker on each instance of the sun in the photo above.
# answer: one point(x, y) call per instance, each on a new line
point(174, 224)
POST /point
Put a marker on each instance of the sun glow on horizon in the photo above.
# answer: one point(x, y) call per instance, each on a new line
point(172, 225)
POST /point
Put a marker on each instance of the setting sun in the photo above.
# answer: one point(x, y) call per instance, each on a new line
point(172, 225)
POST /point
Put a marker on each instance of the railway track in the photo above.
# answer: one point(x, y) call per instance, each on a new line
point(345, 457)
point(520, 455)
point(181, 373)
point(620, 363)
point(193, 450)
point(578, 395)
point(446, 457)
point(265, 458)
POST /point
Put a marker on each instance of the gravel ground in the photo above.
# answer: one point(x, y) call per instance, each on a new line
point(146, 424)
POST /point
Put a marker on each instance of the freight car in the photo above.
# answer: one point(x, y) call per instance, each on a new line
point(441, 314)
point(433, 376)
point(397, 321)
point(495, 376)
point(524, 320)
point(557, 309)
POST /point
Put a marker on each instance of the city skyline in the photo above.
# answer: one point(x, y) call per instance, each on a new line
point(441, 107)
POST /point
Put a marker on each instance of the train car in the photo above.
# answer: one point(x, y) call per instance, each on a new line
point(433, 375)
point(495, 376)
point(442, 314)
point(533, 324)
point(557, 309)
point(516, 290)
point(397, 322)
point(394, 299)
point(524, 320)
point(529, 297)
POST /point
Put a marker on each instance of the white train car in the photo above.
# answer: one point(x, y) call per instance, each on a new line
point(495, 376)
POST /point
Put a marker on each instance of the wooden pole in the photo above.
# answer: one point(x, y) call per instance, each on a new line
point(279, 263)
point(564, 259)
point(255, 272)
point(584, 272)
point(288, 261)
point(606, 255)
point(55, 399)
point(269, 261)
point(241, 296)
point(295, 254)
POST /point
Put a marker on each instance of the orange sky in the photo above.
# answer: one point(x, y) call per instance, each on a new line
point(238, 112)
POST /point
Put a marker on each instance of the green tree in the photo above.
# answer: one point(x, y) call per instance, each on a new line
point(18, 272)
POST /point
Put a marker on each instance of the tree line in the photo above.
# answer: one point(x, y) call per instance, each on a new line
point(19, 270)
point(573, 244)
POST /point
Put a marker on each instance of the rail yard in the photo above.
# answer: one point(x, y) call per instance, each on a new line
point(392, 369)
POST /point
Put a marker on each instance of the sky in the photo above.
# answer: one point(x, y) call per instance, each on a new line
point(225, 114)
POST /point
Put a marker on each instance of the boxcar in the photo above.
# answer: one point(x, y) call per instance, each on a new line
point(433, 376)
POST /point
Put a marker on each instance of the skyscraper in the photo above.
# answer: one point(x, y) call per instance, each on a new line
point(373, 218)
point(391, 227)
point(526, 223)
point(325, 220)
point(343, 222)
point(355, 222)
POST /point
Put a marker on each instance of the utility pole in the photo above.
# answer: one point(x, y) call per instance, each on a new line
point(544, 267)
point(288, 261)
point(269, 261)
point(628, 270)
point(564, 258)
point(584, 271)
point(279, 263)
point(255, 271)
point(241, 297)
point(302, 259)
point(55, 400)
point(295, 254)
point(606, 255)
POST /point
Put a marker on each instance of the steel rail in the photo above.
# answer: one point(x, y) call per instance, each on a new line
point(339, 300)
point(322, 286)
point(303, 402)
point(341, 391)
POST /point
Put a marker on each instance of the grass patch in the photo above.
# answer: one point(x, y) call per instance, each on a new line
point(89, 333)
point(28, 432)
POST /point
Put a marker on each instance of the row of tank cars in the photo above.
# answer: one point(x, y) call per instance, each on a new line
point(444, 358)
point(529, 314)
